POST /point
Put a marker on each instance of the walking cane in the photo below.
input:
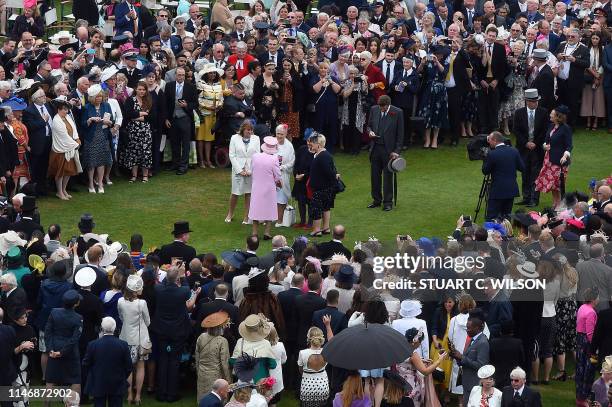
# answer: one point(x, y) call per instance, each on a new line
point(395, 189)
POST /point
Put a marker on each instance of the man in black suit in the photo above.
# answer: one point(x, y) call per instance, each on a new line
point(470, 14)
point(274, 53)
point(171, 324)
point(403, 90)
point(542, 79)
point(26, 224)
point(493, 71)
point(443, 19)
point(501, 165)
point(530, 125)
point(12, 297)
point(132, 73)
point(414, 24)
point(206, 307)
point(338, 320)
point(389, 67)
point(305, 306)
point(506, 352)
point(108, 363)
point(386, 131)
point(518, 394)
point(236, 108)
point(379, 17)
point(574, 58)
point(457, 84)
point(9, 158)
point(286, 300)
point(335, 246)
point(38, 117)
point(181, 100)
point(601, 343)
point(161, 19)
point(179, 248)
point(239, 28)
point(217, 396)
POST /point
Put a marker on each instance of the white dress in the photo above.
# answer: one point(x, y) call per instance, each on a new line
point(314, 389)
point(287, 153)
point(240, 154)
point(280, 355)
point(476, 396)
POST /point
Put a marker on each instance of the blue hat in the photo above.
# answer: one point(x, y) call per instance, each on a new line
point(234, 258)
point(346, 274)
point(569, 236)
point(15, 103)
point(427, 246)
point(408, 43)
point(148, 69)
point(71, 297)
point(495, 226)
point(120, 38)
point(562, 109)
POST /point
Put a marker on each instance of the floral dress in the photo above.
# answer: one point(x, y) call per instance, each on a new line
point(414, 379)
point(434, 102)
point(289, 117)
point(21, 135)
point(139, 149)
point(517, 83)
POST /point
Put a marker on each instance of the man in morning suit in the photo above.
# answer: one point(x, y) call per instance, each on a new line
point(127, 18)
point(530, 125)
point(236, 108)
point(179, 247)
point(338, 320)
point(542, 79)
point(286, 300)
point(493, 71)
point(8, 343)
point(305, 306)
point(518, 394)
point(386, 130)
point(108, 363)
point(181, 100)
point(133, 74)
point(403, 89)
point(475, 356)
point(218, 394)
point(457, 84)
point(501, 164)
point(505, 353)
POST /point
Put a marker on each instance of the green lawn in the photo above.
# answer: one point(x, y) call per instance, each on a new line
point(434, 190)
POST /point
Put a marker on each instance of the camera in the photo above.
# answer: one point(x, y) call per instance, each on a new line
point(403, 237)
point(290, 40)
point(478, 147)
point(358, 79)
point(467, 221)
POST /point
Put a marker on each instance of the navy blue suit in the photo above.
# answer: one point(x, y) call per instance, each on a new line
point(123, 22)
point(210, 400)
point(339, 321)
point(40, 143)
point(501, 164)
point(560, 141)
point(108, 363)
point(8, 343)
point(499, 310)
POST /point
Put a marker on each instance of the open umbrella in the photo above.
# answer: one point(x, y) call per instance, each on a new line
point(368, 346)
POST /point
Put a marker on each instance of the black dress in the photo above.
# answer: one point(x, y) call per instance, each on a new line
point(303, 159)
point(139, 149)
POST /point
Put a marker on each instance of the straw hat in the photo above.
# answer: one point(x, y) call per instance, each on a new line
point(254, 328)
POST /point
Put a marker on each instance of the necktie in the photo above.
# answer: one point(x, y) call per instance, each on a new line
point(179, 90)
point(382, 115)
point(490, 49)
point(405, 74)
point(449, 75)
point(388, 72)
point(240, 36)
point(517, 396)
point(531, 124)
point(470, 17)
point(42, 113)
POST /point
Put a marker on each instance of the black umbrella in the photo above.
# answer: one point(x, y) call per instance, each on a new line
point(370, 346)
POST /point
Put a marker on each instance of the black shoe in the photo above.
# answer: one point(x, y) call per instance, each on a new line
point(181, 172)
point(387, 208)
point(171, 169)
point(523, 202)
point(373, 205)
point(173, 399)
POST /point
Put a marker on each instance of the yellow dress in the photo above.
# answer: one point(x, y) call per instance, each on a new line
point(211, 98)
point(446, 365)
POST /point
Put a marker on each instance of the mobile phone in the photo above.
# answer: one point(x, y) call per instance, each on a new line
point(73, 240)
point(467, 221)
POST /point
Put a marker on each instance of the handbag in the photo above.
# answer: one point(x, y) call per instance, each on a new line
point(147, 347)
point(312, 107)
point(289, 217)
point(340, 186)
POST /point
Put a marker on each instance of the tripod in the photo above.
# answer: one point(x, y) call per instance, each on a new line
point(483, 195)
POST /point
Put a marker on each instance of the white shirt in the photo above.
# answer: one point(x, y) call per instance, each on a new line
point(391, 66)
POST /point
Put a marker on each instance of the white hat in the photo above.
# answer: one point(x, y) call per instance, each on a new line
point(109, 256)
point(62, 34)
point(108, 73)
point(208, 68)
point(10, 239)
point(25, 84)
point(337, 258)
point(98, 238)
point(486, 371)
point(502, 33)
point(94, 90)
point(85, 277)
point(254, 272)
point(410, 308)
point(134, 283)
point(528, 269)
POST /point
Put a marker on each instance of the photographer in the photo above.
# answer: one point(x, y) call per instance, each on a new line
point(434, 101)
point(501, 164)
point(354, 94)
point(325, 100)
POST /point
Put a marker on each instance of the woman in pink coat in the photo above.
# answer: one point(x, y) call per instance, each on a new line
point(266, 176)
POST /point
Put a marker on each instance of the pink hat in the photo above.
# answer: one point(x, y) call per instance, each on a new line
point(270, 145)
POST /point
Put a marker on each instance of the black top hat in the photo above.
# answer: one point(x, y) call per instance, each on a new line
point(181, 227)
point(29, 204)
point(86, 224)
point(523, 219)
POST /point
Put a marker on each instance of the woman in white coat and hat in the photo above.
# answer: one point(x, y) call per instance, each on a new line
point(486, 394)
point(241, 150)
point(409, 311)
point(286, 159)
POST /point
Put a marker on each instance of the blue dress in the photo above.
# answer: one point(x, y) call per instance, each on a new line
point(434, 101)
point(62, 334)
point(97, 145)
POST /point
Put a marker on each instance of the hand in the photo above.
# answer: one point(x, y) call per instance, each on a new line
point(371, 86)
point(456, 355)
point(337, 176)
point(168, 124)
point(546, 147)
point(393, 156)
point(240, 115)
point(484, 84)
point(107, 122)
point(444, 355)
point(434, 59)
point(530, 145)
point(563, 159)
point(460, 222)
point(2, 180)
point(570, 58)
point(143, 114)
point(326, 320)
point(299, 177)
point(372, 134)
point(182, 103)
point(27, 345)
point(279, 184)
point(493, 84)
point(243, 173)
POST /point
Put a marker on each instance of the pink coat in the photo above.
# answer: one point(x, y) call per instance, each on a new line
point(265, 170)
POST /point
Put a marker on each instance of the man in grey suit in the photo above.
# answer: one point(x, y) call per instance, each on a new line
point(386, 130)
point(595, 273)
point(475, 355)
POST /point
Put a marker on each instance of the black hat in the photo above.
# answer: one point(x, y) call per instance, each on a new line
point(60, 270)
point(17, 313)
point(523, 219)
point(562, 109)
point(181, 227)
point(346, 274)
point(66, 47)
point(569, 236)
point(260, 25)
point(120, 39)
point(408, 43)
point(234, 258)
point(397, 380)
point(86, 224)
point(29, 203)
point(71, 298)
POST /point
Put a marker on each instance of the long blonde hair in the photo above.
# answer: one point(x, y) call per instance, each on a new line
point(352, 389)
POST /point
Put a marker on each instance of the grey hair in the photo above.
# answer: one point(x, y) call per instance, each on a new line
point(543, 43)
point(241, 45)
point(219, 384)
point(82, 80)
point(280, 127)
point(518, 373)
point(57, 87)
point(322, 15)
point(583, 206)
point(279, 241)
point(9, 279)
point(108, 325)
point(430, 15)
point(164, 28)
point(7, 110)
point(5, 85)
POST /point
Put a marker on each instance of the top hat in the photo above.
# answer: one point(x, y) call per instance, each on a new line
point(181, 227)
point(29, 204)
point(396, 165)
point(86, 224)
point(531, 94)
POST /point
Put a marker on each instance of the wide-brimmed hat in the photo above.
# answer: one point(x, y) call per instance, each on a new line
point(539, 54)
point(181, 227)
point(71, 297)
point(337, 258)
point(255, 270)
point(410, 308)
point(10, 239)
point(71, 45)
point(86, 224)
point(270, 145)
point(234, 258)
point(562, 109)
point(108, 73)
point(208, 68)
point(85, 277)
point(29, 203)
point(134, 283)
point(108, 257)
point(254, 328)
point(15, 103)
point(219, 318)
point(528, 269)
point(486, 371)
point(397, 165)
point(61, 101)
point(36, 263)
point(523, 219)
point(94, 91)
point(532, 94)
point(55, 38)
point(221, 30)
point(346, 274)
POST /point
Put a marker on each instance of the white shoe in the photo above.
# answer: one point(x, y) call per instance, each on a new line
point(109, 182)
point(278, 225)
point(100, 190)
point(92, 190)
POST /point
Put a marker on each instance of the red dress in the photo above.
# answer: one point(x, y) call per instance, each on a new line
point(549, 178)
point(21, 134)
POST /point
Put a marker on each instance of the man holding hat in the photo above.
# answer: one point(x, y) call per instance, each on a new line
point(178, 248)
point(530, 125)
point(542, 79)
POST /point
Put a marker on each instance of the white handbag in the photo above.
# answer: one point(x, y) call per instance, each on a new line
point(288, 216)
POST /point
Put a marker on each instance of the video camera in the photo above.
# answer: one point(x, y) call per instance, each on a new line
point(478, 147)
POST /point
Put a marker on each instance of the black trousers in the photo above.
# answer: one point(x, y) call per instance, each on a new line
point(407, 125)
point(110, 401)
point(180, 140)
point(38, 169)
point(157, 155)
point(168, 367)
point(498, 208)
point(533, 164)
point(455, 115)
point(488, 109)
point(568, 94)
point(379, 158)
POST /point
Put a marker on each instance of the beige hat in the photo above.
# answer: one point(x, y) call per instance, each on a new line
point(254, 328)
point(336, 259)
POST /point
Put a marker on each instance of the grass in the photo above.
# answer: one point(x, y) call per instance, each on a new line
point(435, 189)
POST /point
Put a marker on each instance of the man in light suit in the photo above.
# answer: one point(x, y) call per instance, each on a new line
point(518, 394)
point(475, 355)
point(595, 273)
point(386, 130)
point(109, 364)
point(220, 391)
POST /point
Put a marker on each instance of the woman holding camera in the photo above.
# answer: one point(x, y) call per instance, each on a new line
point(324, 105)
point(355, 92)
point(557, 147)
point(434, 102)
point(291, 100)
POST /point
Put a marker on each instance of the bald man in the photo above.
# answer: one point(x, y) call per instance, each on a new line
point(217, 396)
point(334, 246)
